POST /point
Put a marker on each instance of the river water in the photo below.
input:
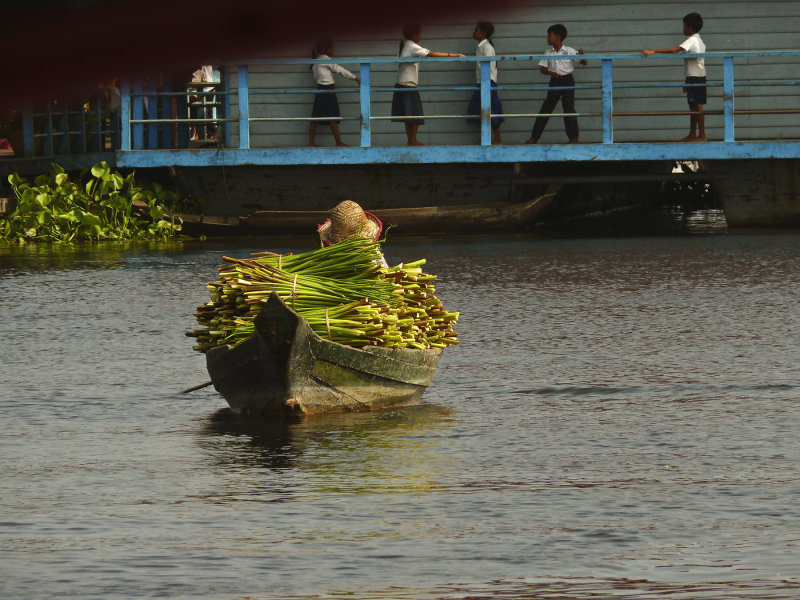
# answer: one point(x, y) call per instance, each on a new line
point(622, 419)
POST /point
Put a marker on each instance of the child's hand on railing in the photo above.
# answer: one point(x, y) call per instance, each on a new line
point(648, 52)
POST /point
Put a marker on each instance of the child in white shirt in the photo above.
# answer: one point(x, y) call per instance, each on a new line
point(695, 71)
point(482, 34)
point(561, 84)
point(406, 101)
point(326, 104)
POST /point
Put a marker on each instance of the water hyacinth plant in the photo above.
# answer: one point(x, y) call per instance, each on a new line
point(108, 206)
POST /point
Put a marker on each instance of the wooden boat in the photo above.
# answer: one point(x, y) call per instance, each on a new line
point(285, 368)
point(465, 218)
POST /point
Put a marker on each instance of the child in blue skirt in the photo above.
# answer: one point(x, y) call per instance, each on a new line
point(406, 101)
point(482, 34)
point(326, 104)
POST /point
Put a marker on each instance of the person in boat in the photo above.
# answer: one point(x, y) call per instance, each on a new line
point(347, 219)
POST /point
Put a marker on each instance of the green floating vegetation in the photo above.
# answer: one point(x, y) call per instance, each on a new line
point(106, 206)
point(341, 290)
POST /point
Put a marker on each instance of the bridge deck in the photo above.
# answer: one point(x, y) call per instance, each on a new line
point(150, 132)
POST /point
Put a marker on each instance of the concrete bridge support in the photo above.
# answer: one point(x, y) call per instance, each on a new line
point(759, 192)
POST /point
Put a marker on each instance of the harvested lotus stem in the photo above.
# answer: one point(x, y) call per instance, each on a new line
point(340, 290)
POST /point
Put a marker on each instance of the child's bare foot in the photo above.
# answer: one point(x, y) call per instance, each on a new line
point(414, 143)
point(531, 141)
point(341, 145)
point(700, 138)
point(574, 141)
point(312, 145)
point(497, 143)
point(689, 138)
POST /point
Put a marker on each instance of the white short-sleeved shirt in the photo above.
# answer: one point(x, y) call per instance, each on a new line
point(559, 67)
point(694, 67)
point(408, 73)
point(323, 74)
point(485, 48)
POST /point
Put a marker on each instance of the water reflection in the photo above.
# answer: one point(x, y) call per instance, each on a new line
point(372, 452)
point(547, 588)
point(104, 255)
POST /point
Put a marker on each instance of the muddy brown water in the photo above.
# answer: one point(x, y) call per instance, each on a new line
point(622, 419)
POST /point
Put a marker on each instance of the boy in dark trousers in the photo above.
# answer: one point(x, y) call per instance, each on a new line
point(695, 75)
point(560, 73)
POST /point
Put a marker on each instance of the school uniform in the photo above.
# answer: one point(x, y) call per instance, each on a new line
point(408, 103)
point(327, 104)
point(564, 69)
point(695, 69)
point(485, 48)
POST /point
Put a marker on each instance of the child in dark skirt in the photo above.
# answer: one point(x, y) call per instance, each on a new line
point(406, 101)
point(483, 31)
point(326, 104)
point(695, 69)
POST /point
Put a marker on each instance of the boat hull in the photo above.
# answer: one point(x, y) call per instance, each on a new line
point(285, 368)
point(497, 216)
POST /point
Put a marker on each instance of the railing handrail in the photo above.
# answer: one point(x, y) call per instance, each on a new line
point(519, 57)
point(236, 84)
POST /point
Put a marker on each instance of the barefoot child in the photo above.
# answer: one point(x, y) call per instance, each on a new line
point(483, 31)
point(695, 74)
point(408, 103)
point(560, 73)
point(326, 104)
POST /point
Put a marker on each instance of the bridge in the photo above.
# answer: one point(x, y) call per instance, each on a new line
point(148, 132)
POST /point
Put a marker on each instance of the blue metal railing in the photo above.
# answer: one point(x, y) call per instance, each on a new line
point(149, 130)
point(607, 87)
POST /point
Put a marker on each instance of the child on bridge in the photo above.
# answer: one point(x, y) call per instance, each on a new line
point(560, 72)
point(695, 75)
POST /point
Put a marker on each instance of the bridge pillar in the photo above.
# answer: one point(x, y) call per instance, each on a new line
point(758, 192)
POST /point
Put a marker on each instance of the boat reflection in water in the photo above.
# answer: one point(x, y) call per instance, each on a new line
point(390, 451)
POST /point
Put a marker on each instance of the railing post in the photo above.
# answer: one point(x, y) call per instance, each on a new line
point(226, 107)
point(138, 114)
point(608, 101)
point(244, 108)
point(366, 107)
point(125, 115)
point(727, 97)
point(486, 103)
point(152, 113)
point(48, 141)
point(63, 126)
point(83, 145)
point(166, 113)
point(27, 131)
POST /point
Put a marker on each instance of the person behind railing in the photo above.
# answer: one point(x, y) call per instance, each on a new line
point(406, 101)
point(198, 108)
point(695, 70)
point(326, 104)
point(560, 73)
point(482, 34)
point(106, 102)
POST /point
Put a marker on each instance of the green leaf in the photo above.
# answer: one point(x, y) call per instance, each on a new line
point(61, 178)
point(156, 212)
point(100, 170)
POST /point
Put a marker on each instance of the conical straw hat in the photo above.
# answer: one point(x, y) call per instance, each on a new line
point(347, 219)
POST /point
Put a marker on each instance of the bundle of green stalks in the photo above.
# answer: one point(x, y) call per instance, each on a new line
point(341, 290)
